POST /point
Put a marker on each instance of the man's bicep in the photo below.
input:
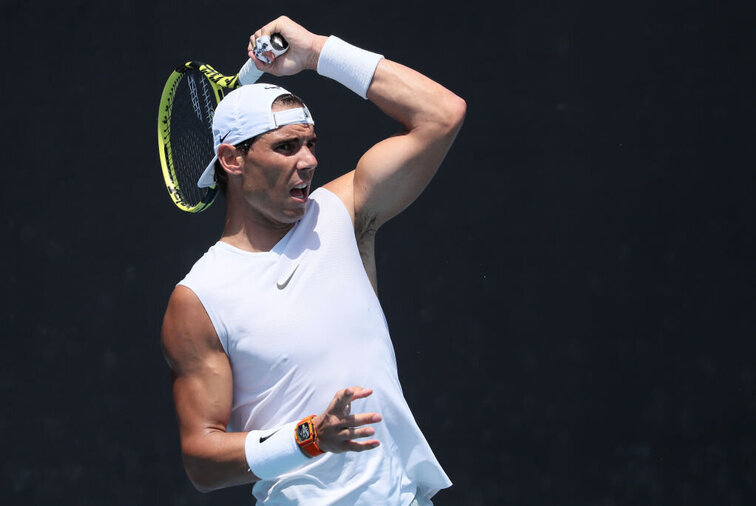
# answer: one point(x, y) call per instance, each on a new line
point(393, 173)
point(203, 394)
point(202, 381)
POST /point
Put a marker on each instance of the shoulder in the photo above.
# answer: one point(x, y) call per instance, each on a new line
point(343, 188)
point(204, 266)
point(187, 333)
point(365, 223)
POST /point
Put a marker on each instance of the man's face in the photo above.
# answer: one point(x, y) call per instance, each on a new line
point(278, 172)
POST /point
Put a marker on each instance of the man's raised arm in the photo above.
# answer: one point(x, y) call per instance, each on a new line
point(391, 174)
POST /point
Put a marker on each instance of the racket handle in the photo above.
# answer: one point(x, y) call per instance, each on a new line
point(274, 44)
point(249, 74)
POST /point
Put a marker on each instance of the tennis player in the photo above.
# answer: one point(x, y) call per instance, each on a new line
point(283, 369)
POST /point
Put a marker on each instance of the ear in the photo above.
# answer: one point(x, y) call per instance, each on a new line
point(228, 157)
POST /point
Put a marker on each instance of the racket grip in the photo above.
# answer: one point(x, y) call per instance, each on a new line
point(274, 44)
point(249, 74)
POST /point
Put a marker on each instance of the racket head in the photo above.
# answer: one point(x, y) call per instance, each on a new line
point(185, 136)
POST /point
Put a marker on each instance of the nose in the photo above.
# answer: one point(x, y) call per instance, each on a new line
point(306, 159)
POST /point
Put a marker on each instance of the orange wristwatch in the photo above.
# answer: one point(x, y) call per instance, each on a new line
point(307, 437)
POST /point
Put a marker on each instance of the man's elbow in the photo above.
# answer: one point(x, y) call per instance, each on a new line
point(207, 473)
point(458, 110)
point(453, 111)
point(198, 476)
point(202, 488)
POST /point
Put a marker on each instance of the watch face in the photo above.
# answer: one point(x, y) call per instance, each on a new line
point(303, 431)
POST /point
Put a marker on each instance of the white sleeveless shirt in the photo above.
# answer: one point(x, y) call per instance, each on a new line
point(299, 323)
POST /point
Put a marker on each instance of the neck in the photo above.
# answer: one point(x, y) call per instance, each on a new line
point(250, 231)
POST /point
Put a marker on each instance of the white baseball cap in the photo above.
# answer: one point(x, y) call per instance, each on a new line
point(245, 113)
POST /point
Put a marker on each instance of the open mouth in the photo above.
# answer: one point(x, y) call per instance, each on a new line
point(300, 191)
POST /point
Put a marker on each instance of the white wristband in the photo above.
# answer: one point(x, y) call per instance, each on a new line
point(351, 66)
point(273, 452)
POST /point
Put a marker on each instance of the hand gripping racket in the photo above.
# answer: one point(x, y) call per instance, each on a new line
point(185, 122)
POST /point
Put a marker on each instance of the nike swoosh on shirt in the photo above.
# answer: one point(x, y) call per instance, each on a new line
point(282, 284)
point(264, 438)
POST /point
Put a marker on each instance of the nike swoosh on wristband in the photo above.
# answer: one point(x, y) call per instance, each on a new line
point(281, 285)
point(265, 438)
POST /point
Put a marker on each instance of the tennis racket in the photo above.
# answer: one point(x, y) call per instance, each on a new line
point(185, 123)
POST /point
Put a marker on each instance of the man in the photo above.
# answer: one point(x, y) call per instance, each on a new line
point(279, 319)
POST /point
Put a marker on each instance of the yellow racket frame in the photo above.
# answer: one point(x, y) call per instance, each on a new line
point(220, 84)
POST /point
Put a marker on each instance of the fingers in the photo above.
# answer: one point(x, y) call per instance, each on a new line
point(361, 393)
point(342, 401)
point(252, 48)
point(350, 440)
point(256, 56)
point(274, 26)
point(278, 25)
point(347, 395)
point(360, 446)
point(302, 53)
point(350, 433)
point(339, 430)
point(361, 419)
point(341, 406)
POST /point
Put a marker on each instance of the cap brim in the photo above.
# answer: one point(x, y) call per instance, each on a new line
point(207, 179)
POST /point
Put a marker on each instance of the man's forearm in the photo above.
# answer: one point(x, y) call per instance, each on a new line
point(414, 100)
point(216, 459)
point(404, 94)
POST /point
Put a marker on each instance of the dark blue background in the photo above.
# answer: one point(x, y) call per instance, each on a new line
point(582, 332)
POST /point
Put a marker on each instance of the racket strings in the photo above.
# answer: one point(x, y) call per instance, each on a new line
point(191, 133)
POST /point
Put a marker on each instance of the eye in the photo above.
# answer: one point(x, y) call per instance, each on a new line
point(285, 147)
